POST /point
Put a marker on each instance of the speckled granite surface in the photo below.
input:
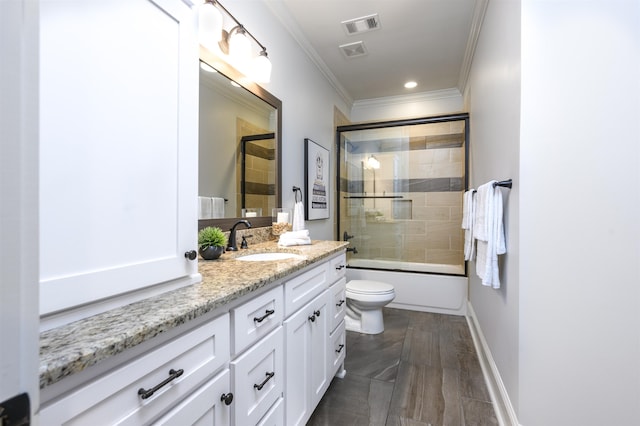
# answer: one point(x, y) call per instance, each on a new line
point(74, 347)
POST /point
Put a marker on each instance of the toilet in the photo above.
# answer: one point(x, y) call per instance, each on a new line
point(365, 300)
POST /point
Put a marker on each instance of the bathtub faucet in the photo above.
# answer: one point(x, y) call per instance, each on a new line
point(353, 249)
point(346, 237)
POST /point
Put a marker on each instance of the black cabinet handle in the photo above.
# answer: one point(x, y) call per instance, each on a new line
point(227, 398)
point(266, 314)
point(312, 318)
point(261, 385)
point(340, 303)
point(339, 267)
point(173, 374)
point(340, 348)
point(316, 313)
point(191, 254)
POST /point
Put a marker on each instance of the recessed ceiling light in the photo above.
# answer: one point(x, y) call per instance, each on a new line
point(410, 84)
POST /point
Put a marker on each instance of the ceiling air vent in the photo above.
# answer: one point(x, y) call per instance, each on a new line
point(361, 25)
point(353, 50)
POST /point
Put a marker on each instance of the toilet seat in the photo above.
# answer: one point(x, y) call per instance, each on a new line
point(369, 287)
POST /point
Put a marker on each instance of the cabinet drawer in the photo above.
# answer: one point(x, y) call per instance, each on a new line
point(256, 318)
point(302, 289)
point(337, 267)
point(258, 376)
point(275, 416)
point(113, 398)
point(338, 304)
point(204, 406)
point(337, 348)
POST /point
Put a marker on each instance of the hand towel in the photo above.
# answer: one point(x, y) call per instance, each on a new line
point(204, 207)
point(295, 238)
point(468, 218)
point(217, 211)
point(488, 250)
point(298, 216)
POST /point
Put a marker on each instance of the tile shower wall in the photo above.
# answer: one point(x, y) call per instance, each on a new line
point(260, 171)
point(424, 225)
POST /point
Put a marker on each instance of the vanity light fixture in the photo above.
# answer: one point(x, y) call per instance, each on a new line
point(410, 85)
point(373, 163)
point(234, 45)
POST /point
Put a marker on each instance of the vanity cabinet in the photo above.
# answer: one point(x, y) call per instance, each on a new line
point(183, 364)
point(116, 166)
point(253, 364)
point(311, 339)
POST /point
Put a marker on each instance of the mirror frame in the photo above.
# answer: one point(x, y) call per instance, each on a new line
point(231, 73)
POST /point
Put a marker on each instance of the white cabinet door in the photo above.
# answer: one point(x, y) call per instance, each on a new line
point(118, 147)
point(320, 376)
point(205, 406)
point(306, 334)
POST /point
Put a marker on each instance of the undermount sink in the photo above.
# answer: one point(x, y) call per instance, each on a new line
point(262, 257)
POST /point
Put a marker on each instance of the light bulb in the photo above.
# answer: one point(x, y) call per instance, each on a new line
point(209, 25)
point(240, 47)
point(262, 68)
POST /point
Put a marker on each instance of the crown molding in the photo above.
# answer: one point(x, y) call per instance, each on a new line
point(479, 11)
point(408, 99)
point(280, 11)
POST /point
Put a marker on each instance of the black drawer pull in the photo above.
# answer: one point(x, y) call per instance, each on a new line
point(316, 313)
point(144, 394)
point(340, 348)
point(266, 314)
point(227, 398)
point(312, 318)
point(340, 303)
point(261, 385)
point(339, 267)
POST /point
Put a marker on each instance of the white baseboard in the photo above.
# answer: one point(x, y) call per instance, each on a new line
point(501, 403)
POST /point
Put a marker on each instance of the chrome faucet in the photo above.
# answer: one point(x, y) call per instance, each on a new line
point(231, 246)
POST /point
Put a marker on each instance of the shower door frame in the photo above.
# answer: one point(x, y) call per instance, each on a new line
point(398, 123)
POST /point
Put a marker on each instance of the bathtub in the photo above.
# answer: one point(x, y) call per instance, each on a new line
point(427, 291)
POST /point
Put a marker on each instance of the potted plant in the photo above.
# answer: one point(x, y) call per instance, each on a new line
point(211, 242)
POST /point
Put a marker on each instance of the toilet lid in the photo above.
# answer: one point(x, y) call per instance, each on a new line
point(369, 287)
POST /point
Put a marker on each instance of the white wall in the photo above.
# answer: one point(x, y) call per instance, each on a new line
point(564, 330)
point(307, 101)
point(579, 229)
point(493, 96)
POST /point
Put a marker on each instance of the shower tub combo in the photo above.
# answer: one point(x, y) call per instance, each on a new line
point(400, 187)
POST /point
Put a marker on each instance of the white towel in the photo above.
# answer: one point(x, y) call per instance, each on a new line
point(489, 226)
point(295, 238)
point(204, 207)
point(298, 216)
point(217, 210)
point(468, 218)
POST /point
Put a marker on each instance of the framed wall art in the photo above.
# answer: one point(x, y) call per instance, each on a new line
point(316, 174)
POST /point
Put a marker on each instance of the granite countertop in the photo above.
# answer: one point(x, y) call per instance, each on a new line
point(71, 348)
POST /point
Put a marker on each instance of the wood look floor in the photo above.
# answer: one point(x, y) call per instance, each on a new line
point(423, 370)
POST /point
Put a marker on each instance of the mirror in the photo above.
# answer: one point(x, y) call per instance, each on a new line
point(239, 148)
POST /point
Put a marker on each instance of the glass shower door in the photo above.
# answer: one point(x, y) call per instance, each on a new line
point(401, 186)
